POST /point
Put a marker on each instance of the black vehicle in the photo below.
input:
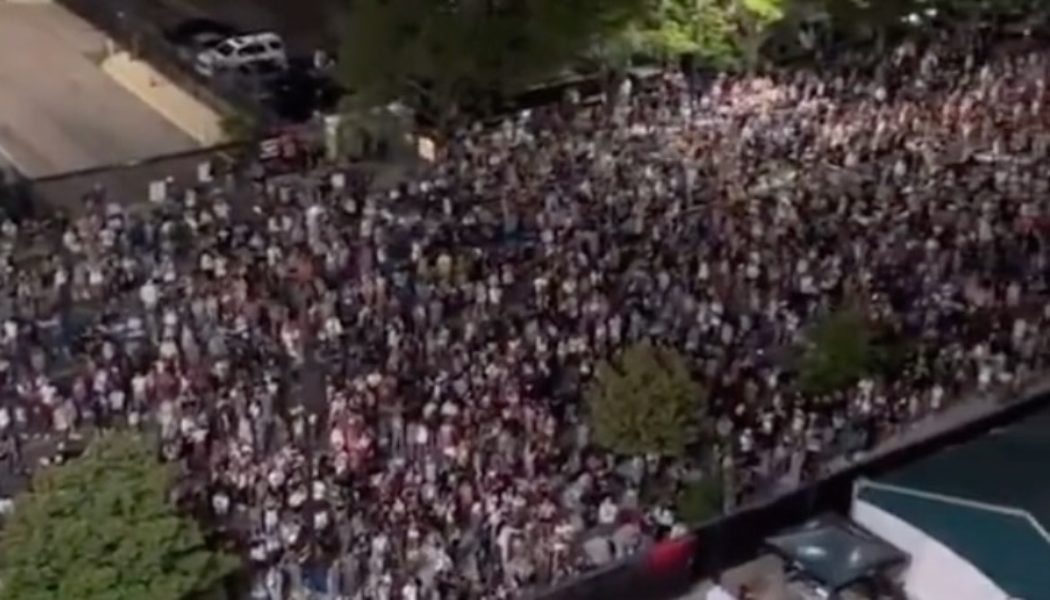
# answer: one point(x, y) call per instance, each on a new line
point(299, 93)
point(258, 78)
point(193, 36)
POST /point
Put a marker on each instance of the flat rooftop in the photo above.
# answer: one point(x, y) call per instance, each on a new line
point(987, 499)
point(58, 111)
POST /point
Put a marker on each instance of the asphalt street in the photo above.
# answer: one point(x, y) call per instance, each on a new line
point(58, 111)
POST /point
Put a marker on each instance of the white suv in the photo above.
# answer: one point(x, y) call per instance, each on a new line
point(242, 50)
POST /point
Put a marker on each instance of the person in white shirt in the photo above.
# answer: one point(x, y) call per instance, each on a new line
point(607, 512)
point(410, 591)
point(718, 592)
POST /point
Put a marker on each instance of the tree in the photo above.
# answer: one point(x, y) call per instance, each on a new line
point(839, 350)
point(756, 19)
point(722, 33)
point(645, 402)
point(442, 53)
point(101, 527)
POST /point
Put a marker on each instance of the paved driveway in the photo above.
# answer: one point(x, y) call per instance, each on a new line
point(58, 111)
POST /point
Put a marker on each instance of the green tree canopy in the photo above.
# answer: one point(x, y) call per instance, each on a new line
point(444, 51)
point(101, 527)
point(722, 33)
point(840, 349)
point(645, 402)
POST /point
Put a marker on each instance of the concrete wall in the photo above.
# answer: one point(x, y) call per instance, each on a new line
point(163, 95)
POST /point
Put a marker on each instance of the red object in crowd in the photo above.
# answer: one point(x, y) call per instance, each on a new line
point(671, 557)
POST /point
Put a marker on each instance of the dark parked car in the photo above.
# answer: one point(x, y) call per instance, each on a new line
point(257, 78)
point(193, 36)
point(298, 94)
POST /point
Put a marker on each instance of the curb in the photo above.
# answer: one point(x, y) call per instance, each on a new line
point(158, 92)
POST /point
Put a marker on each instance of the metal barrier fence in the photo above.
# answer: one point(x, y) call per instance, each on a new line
point(127, 183)
point(645, 576)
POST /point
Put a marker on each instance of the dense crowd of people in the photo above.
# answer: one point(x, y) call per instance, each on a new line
point(376, 391)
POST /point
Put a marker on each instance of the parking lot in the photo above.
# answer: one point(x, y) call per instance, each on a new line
point(305, 25)
point(58, 111)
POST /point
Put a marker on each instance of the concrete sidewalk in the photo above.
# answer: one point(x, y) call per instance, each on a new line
point(179, 107)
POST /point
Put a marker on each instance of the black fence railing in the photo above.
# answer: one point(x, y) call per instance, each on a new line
point(126, 183)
